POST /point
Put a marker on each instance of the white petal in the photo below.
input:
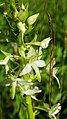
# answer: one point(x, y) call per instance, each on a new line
point(27, 69)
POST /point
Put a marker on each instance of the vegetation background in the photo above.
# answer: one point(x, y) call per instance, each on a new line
point(58, 12)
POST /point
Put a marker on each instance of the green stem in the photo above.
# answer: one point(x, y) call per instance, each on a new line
point(29, 106)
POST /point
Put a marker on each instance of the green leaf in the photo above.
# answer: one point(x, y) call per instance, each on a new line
point(45, 42)
point(27, 69)
point(37, 72)
point(19, 39)
point(31, 52)
point(32, 19)
point(33, 91)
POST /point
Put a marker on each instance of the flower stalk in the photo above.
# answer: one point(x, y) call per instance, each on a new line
point(29, 107)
